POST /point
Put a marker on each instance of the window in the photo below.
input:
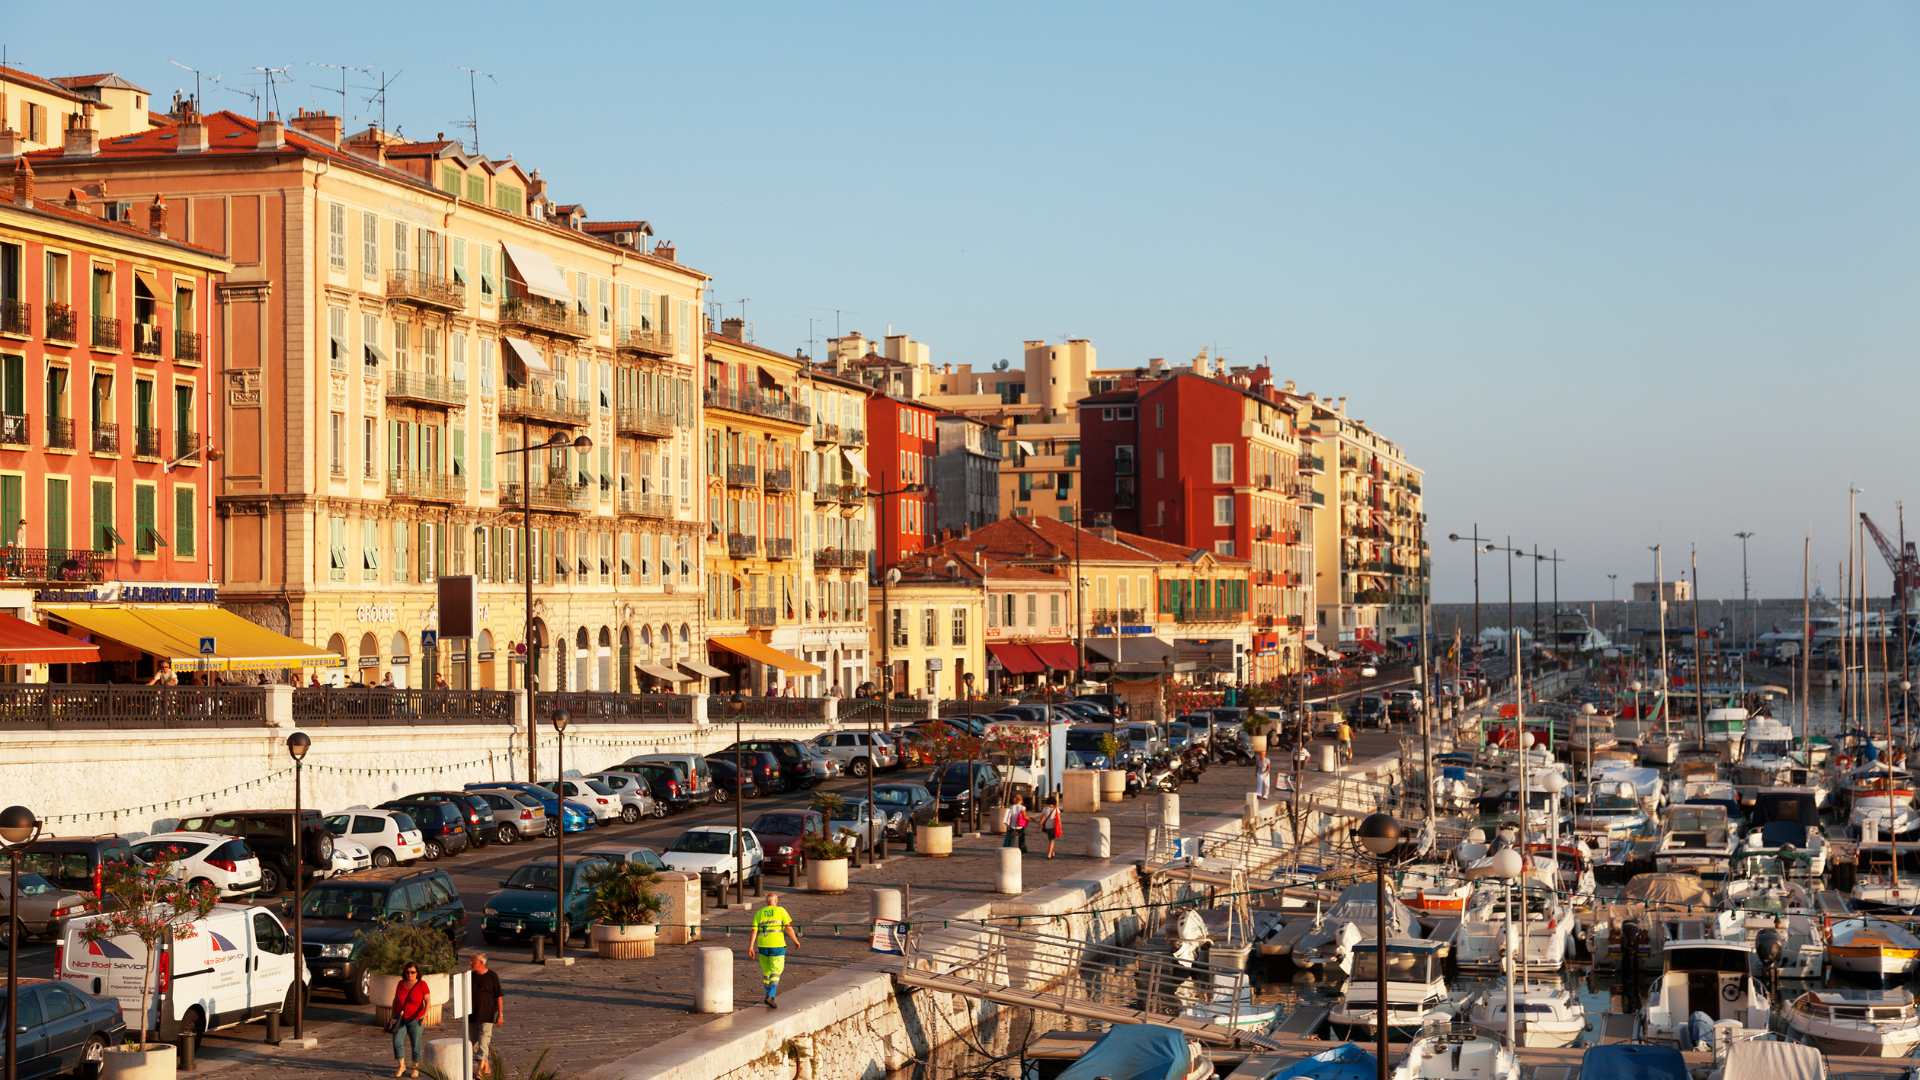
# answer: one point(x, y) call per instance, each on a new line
point(337, 443)
point(450, 179)
point(460, 262)
point(457, 442)
point(1223, 547)
point(1223, 509)
point(104, 536)
point(488, 282)
point(1123, 460)
point(1053, 610)
point(1159, 414)
point(928, 627)
point(337, 337)
point(59, 286)
point(370, 351)
point(486, 460)
point(337, 236)
point(1223, 463)
point(12, 507)
point(13, 399)
point(1033, 610)
point(146, 534)
point(369, 448)
point(184, 521)
point(36, 121)
point(1124, 412)
point(401, 547)
point(369, 245)
point(56, 513)
point(1159, 464)
point(959, 626)
point(477, 189)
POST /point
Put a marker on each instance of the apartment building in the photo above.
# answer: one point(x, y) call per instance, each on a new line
point(110, 338)
point(836, 534)
point(1371, 558)
point(426, 357)
point(36, 113)
point(927, 615)
point(966, 474)
point(901, 443)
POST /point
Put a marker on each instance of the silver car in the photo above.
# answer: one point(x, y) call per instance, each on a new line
point(852, 824)
point(855, 752)
point(516, 815)
point(636, 799)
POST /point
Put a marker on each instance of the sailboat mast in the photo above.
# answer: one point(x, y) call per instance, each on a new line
point(1806, 642)
point(1699, 670)
point(1660, 609)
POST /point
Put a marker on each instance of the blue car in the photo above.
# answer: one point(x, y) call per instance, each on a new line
point(578, 818)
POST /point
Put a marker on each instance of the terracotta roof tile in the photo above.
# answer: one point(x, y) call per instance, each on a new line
point(46, 86)
point(105, 78)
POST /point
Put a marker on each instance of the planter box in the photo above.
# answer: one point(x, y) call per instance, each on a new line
point(623, 942)
point(1113, 785)
point(1080, 791)
point(827, 875)
point(380, 988)
point(154, 1061)
point(933, 841)
point(1258, 743)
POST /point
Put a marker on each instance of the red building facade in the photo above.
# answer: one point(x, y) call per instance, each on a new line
point(901, 444)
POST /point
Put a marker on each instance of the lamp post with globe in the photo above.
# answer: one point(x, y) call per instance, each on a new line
point(18, 828)
point(297, 744)
point(1507, 865)
point(1379, 836)
point(560, 719)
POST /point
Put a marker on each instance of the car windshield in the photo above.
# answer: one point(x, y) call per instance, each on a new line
point(34, 885)
point(703, 843)
point(533, 876)
point(890, 796)
point(784, 824)
point(337, 824)
point(358, 903)
point(598, 788)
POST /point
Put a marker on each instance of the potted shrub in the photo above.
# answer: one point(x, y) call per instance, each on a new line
point(386, 951)
point(1113, 782)
point(145, 902)
point(826, 864)
point(624, 909)
point(1256, 726)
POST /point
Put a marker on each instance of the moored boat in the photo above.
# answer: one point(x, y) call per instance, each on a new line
point(1872, 947)
point(1862, 1023)
point(1458, 1052)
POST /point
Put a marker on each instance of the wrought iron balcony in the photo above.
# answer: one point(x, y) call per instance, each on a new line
point(60, 322)
point(424, 486)
point(146, 441)
point(854, 437)
point(53, 564)
point(106, 333)
point(779, 547)
point(646, 342)
point(1118, 617)
point(425, 388)
point(845, 494)
point(543, 495)
point(539, 402)
point(742, 546)
point(186, 346)
point(13, 430)
point(826, 433)
point(1208, 614)
point(839, 559)
point(146, 339)
point(756, 403)
point(742, 476)
point(16, 317)
point(60, 433)
point(761, 616)
point(106, 438)
point(779, 479)
point(424, 289)
point(186, 443)
point(635, 419)
point(646, 504)
point(543, 317)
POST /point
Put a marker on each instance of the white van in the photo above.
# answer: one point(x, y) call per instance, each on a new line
point(238, 966)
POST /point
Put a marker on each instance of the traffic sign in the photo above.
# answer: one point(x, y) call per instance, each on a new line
point(429, 639)
point(206, 646)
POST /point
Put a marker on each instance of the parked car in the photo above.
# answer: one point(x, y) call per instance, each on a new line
point(1369, 710)
point(666, 784)
point(1404, 705)
point(591, 794)
point(516, 816)
point(576, 818)
point(729, 782)
point(857, 753)
point(75, 862)
point(906, 805)
point(855, 821)
point(523, 908)
point(1109, 704)
point(390, 835)
point(224, 862)
point(645, 856)
point(635, 795)
point(820, 764)
point(716, 853)
point(798, 768)
point(44, 908)
point(762, 766)
point(269, 833)
point(950, 785)
point(693, 769)
point(335, 914)
point(476, 820)
point(780, 834)
point(443, 826)
point(349, 856)
point(61, 1029)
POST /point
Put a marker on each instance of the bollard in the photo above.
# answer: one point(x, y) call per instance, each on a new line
point(1009, 881)
point(443, 1055)
point(1327, 757)
point(1153, 841)
point(713, 980)
point(1100, 839)
point(1170, 811)
point(887, 904)
point(1252, 815)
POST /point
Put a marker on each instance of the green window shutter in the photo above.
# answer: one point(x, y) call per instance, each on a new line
point(102, 515)
point(143, 520)
point(423, 551)
point(183, 522)
point(486, 461)
point(15, 403)
point(57, 496)
point(12, 508)
point(457, 438)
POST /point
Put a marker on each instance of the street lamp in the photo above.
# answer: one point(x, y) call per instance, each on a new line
point(1477, 541)
point(887, 580)
point(738, 707)
point(1746, 601)
point(1507, 865)
point(297, 744)
point(531, 665)
point(1380, 838)
point(560, 718)
point(18, 827)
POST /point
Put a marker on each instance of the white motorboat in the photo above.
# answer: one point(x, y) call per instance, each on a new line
point(1590, 735)
point(1877, 818)
point(1786, 829)
point(1348, 923)
point(1696, 839)
point(1872, 947)
point(1858, 1023)
point(1705, 982)
point(1480, 942)
point(1769, 1059)
point(1727, 730)
point(1458, 1052)
point(1767, 900)
point(1608, 812)
point(1231, 1004)
point(1887, 877)
point(1544, 1014)
point(1879, 778)
point(1416, 991)
point(1434, 890)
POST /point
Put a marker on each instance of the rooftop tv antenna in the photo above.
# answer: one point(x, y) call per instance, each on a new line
point(197, 76)
point(379, 95)
point(270, 78)
point(342, 69)
point(250, 95)
point(472, 122)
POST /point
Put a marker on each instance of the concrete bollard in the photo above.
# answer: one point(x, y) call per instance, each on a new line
point(444, 1056)
point(1328, 757)
point(886, 904)
point(1100, 839)
point(1170, 811)
point(1153, 841)
point(1009, 880)
point(1252, 815)
point(713, 980)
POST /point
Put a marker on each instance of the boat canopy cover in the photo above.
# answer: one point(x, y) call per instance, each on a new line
point(1669, 890)
point(1780, 833)
point(1135, 1051)
point(1343, 1062)
point(1634, 1061)
point(1775, 1060)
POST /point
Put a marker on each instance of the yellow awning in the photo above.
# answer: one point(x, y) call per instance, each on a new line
point(756, 650)
point(173, 632)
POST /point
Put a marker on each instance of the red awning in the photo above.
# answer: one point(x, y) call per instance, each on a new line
point(1058, 655)
point(1015, 659)
point(1369, 645)
point(22, 642)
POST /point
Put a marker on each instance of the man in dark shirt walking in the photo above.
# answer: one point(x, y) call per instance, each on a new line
point(489, 1011)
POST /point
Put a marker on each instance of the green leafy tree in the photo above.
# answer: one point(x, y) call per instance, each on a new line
point(623, 895)
point(145, 901)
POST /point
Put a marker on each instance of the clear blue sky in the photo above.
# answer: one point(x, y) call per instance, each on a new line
point(1614, 274)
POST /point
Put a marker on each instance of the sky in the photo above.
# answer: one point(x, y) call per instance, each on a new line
point(1613, 275)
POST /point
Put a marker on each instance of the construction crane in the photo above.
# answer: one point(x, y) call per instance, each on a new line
point(1905, 564)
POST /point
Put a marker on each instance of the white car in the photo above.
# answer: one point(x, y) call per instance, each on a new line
point(225, 862)
point(591, 794)
point(1369, 671)
point(389, 835)
point(348, 856)
point(636, 798)
point(708, 850)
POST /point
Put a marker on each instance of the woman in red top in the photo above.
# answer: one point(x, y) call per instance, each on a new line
point(409, 1011)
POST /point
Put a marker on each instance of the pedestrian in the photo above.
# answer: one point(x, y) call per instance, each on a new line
point(489, 1012)
point(1051, 824)
point(313, 680)
point(1344, 732)
point(164, 676)
point(1020, 821)
point(409, 1015)
point(1010, 824)
point(440, 683)
point(1263, 778)
point(386, 680)
point(773, 934)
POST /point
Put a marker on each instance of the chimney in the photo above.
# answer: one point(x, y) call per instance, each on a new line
point(11, 144)
point(157, 217)
point(192, 138)
point(22, 182)
point(368, 145)
point(536, 187)
point(321, 125)
point(82, 139)
point(273, 134)
point(664, 250)
point(734, 328)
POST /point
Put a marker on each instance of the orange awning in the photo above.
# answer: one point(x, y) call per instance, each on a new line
point(22, 642)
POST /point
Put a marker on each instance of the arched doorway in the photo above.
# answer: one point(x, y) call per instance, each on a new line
point(666, 654)
point(399, 658)
point(535, 660)
point(603, 659)
point(337, 645)
point(369, 658)
point(582, 660)
point(626, 659)
point(483, 661)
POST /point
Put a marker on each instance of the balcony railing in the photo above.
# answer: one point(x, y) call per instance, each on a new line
point(826, 433)
point(376, 706)
point(186, 346)
point(742, 476)
point(761, 616)
point(1208, 614)
point(646, 342)
point(146, 339)
point(839, 559)
point(106, 438)
point(849, 494)
point(106, 332)
point(779, 479)
point(430, 290)
point(854, 437)
point(146, 441)
point(758, 404)
point(186, 443)
point(52, 564)
point(120, 708)
point(13, 430)
point(60, 322)
point(60, 433)
point(603, 706)
point(1117, 617)
point(426, 387)
point(635, 419)
point(544, 495)
point(16, 317)
point(1312, 463)
point(543, 317)
point(426, 486)
point(779, 547)
point(646, 504)
point(742, 546)
point(537, 402)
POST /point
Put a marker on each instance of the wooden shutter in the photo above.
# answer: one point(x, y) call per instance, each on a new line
point(102, 515)
point(56, 513)
point(183, 523)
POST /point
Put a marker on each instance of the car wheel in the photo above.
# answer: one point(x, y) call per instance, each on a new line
point(552, 829)
point(360, 988)
point(659, 810)
point(435, 849)
point(629, 814)
point(719, 795)
point(859, 767)
point(382, 857)
point(506, 834)
point(93, 1055)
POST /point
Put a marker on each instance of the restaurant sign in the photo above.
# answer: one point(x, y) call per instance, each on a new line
point(117, 593)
